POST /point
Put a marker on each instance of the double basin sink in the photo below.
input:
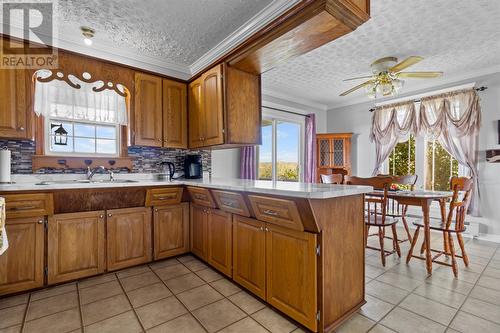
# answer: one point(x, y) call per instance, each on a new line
point(86, 181)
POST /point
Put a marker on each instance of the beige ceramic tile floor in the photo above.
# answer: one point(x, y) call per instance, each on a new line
point(184, 295)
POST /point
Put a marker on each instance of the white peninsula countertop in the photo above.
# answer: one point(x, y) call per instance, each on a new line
point(54, 182)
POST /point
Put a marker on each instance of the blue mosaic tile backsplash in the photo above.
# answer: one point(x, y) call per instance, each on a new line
point(146, 159)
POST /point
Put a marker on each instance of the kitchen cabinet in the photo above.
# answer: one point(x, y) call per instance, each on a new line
point(249, 254)
point(21, 266)
point(220, 243)
point(160, 109)
point(279, 265)
point(148, 110)
point(199, 224)
point(128, 237)
point(291, 273)
point(174, 114)
point(15, 114)
point(224, 108)
point(171, 230)
point(75, 246)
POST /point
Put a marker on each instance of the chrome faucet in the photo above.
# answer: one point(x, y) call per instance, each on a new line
point(92, 172)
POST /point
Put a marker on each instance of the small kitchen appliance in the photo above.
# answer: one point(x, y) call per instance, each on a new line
point(193, 168)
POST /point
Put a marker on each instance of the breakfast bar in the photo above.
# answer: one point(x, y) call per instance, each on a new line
point(299, 247)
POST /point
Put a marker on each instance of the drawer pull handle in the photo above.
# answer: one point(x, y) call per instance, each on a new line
point(227, 203)
point(270, 212)
point(200, 197)
point(172, 196)
point(21, 208)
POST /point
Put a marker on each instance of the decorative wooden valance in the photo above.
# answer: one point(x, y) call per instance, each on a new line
point(90, 70)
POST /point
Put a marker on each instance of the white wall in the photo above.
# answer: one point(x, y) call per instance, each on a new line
point(226, 162)
point(357, 119)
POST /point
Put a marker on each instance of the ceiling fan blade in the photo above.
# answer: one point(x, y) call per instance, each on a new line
point(419, 75)
point(410, 61)
point(356, 87)
point(359, 78)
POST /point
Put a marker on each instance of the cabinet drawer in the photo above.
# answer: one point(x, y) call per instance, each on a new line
point(277, 211)
point(28, 205)
point(201, 196)
point(163, 196)
point(231, 202)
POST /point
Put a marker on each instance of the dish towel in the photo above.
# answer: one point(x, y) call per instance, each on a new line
point(4, 243)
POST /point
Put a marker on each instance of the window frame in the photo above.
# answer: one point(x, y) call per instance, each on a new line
point(275, 116)
point(47, 134)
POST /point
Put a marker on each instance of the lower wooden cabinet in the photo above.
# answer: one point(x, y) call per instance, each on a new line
point(291, 273)
point(249, 254)
point(199, 224)
point(128, 237)
point(171, 230)
point(21, 266)
point(75, 246)
point(220, 241)
point(279, 265)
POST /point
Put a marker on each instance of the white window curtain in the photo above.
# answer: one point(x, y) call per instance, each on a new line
point(453, 119)
point(58, 99)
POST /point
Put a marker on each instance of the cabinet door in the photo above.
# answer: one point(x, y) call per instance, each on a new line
point(171, 230)
point(14, 113)
point(129, 237)
point(292, 273)
point(213, 107)
point(220, 251)
point(174, 114)
point(196, 116)
point(199, 221)
point(75, 246)
point(338, 158)
point(249, 254)
point(21, 266)
point(148, 110)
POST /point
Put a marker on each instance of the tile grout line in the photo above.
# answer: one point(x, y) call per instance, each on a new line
point(173, 294)
point(80, 308)
point(25, 313)
point(468, 295)
point(130, 303)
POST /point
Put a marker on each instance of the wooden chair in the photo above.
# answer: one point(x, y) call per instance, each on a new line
point(396, 210)
point(376, 213)
point(454, 224)
point(336, 178)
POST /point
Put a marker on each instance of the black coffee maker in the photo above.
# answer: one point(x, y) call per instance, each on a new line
point(193, 168)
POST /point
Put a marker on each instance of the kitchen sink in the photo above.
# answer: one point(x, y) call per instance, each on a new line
point(86, 181)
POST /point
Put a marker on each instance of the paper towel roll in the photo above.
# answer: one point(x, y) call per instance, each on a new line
point(5, 160)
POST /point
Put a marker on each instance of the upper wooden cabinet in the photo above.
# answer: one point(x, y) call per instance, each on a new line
point(160, 112)
point(15, 114)
point(224, 108)
point(75, 246)
point(21, 266)
point(148, 110)
point(174, 114)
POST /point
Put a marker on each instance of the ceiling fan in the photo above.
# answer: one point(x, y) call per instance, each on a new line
point(387, 74)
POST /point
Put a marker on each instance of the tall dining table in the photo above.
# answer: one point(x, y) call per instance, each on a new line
point(422, 199)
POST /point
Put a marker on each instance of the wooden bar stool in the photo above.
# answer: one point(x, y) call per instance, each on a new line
point(335, 178)
point(454, 224)
point(376, 213)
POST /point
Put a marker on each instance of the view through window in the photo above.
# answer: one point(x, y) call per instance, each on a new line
point(279, 156)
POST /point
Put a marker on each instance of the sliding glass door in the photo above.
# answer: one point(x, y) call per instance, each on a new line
point(280, 157)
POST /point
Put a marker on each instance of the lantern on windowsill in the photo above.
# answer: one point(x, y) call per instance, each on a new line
point(60, 135)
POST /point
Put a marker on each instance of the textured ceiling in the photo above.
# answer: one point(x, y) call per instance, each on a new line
point(180, 31)
point(460, 37)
